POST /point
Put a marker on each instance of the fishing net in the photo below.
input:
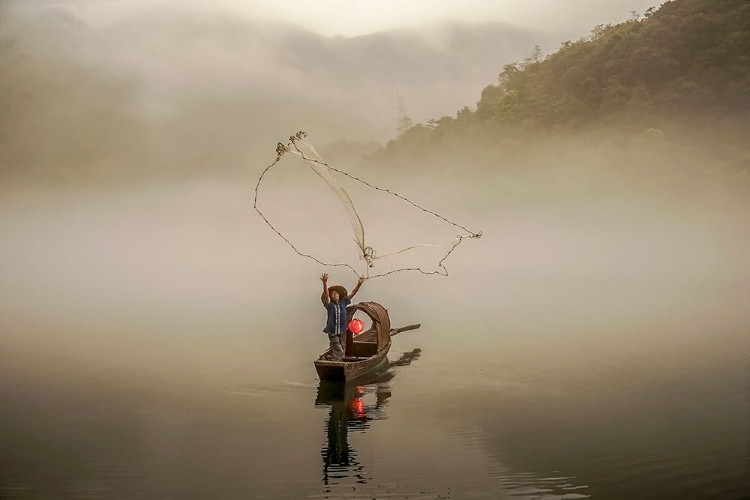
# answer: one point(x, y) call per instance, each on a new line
point(330, 229)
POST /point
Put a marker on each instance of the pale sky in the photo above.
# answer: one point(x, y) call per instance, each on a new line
point(354, 17)
point(357, 17)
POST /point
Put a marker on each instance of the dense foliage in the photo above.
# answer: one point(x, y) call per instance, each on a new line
point(689, 56)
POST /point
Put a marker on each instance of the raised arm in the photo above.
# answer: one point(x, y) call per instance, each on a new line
point(326, 296)
point(356, 288)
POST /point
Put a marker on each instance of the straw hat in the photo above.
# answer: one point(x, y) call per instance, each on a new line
point(342, 292)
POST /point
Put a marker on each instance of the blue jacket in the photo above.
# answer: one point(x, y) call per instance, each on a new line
point(331, 322)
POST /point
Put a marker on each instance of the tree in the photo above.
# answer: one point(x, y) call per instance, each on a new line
point(509, 70)
point(534, 57)
point(598, 31)
point(404, 121)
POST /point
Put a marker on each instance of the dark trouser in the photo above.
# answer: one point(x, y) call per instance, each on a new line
point(338, 345)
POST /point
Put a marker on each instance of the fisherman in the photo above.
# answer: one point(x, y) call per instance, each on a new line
point(335, 301)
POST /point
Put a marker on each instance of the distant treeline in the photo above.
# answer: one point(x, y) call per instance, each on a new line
point(673, 78)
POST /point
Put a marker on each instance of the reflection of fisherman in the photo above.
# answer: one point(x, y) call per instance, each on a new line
point(335, 301)
point(347, 411)
point(337, 449)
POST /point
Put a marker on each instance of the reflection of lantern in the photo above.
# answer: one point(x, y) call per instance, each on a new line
point(358, 408)
point(357, 405)
point(356, 326)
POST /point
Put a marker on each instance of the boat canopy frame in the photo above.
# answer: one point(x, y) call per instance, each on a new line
point(380, 331)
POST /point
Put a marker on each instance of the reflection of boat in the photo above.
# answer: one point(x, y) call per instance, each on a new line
point(350, 412)
point(365, 354)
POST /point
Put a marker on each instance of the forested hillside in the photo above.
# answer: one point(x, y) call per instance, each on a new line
point(672, 84)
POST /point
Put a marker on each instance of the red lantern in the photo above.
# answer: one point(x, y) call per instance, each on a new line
point(356, 326)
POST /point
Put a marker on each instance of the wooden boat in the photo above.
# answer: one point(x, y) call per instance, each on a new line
point(364, 353)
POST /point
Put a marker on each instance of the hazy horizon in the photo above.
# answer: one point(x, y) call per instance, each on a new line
point(351, 19)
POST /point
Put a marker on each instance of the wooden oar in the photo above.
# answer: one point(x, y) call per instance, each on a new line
point(396, 331)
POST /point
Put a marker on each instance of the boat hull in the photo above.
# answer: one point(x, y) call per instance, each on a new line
point(344, 371)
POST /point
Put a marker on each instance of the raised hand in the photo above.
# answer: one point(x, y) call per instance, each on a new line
point(361, 280)
point(324, 278)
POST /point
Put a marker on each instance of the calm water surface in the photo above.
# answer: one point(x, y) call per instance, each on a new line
point(151, 350)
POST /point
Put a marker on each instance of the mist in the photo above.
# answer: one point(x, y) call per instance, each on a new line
point(174, 92)
point(156, 335)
